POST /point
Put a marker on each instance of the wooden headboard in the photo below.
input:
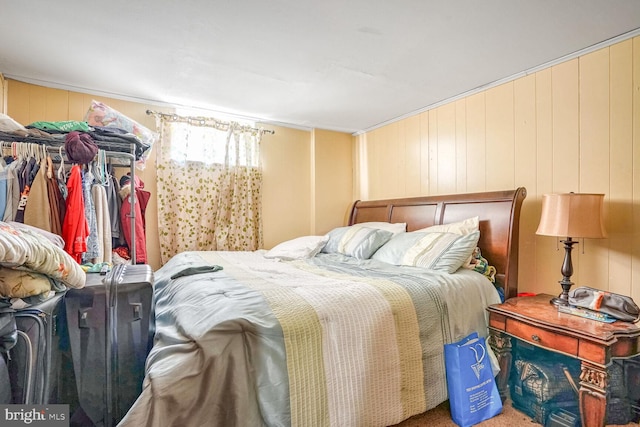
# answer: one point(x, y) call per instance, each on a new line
point(498, 211)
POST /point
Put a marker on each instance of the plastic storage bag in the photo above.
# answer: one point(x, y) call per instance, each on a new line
point(473, 392)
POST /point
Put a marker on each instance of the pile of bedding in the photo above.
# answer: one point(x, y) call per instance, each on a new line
point(33, 263)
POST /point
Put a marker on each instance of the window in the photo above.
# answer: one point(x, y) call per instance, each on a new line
point(204, 140)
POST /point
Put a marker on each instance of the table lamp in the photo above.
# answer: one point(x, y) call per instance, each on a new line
point(571, 215)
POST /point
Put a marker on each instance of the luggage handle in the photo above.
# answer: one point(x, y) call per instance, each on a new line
point(137, 310)
point(111, 283)
point(28, 380)
point(111, 362)
point(83, 316)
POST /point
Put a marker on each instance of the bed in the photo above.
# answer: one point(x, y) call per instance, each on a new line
point(339, 336)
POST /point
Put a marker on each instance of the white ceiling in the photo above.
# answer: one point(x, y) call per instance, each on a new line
point(346, 65)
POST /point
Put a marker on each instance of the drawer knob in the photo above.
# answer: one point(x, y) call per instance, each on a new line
point(535, 338)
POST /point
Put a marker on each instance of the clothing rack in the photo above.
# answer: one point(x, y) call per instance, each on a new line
point(123, 159)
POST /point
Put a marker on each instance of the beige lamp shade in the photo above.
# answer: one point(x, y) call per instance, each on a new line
point(572, 215)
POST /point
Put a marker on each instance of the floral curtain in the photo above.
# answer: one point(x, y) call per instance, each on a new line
point(209, 186)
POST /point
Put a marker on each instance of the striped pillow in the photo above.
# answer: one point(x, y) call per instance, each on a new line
point(467, 226)
point(395, 227)
point(435, 251)
point(358, 242)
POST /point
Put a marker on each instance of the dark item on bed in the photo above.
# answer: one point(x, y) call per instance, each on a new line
point(498, 212)
point(116, 310)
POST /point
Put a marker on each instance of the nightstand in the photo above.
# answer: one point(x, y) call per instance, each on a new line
point(595, 344)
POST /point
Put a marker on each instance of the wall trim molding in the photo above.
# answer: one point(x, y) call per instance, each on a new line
point(568, 57)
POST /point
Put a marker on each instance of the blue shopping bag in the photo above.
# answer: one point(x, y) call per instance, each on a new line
point(473, 392)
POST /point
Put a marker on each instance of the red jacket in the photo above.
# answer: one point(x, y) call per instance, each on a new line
point(141, 201)
point(75, 229)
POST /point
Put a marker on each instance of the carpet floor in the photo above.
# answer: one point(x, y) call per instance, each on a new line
point(510, 417)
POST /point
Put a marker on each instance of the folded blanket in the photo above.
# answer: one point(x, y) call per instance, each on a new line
point(23, 283)
point(26, 249)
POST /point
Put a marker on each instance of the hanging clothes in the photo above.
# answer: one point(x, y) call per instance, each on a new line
point(4, 178)
point(13, 192)
point(103, 223)
point(115, 204)
point(37, 212)
point(83, 208)
point(141, 201)
point(93, 248)
point(56, 200)
point(23, 172)
point(75, 229)
point(24, 178)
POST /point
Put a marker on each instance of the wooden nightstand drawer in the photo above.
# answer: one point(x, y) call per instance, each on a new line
point(542, 337)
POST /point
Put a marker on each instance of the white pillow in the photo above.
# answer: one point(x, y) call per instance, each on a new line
point(357, 242)
point(467, 226)
point(298, 248)
point(395, 228)
point(435, 251)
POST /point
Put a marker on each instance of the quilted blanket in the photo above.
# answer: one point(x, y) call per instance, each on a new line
point(327, 341)
point(28, 250)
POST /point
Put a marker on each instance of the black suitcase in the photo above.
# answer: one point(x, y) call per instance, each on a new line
point(109, 337)
point(5, 382)
point(34, 362)
point(8, 338)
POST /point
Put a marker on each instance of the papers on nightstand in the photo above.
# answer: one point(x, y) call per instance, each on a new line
point(584, 312)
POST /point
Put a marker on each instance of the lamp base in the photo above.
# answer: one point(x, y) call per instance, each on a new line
point(567, 271)
point(558, 301)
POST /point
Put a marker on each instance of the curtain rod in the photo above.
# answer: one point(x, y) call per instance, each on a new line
point(207, 121)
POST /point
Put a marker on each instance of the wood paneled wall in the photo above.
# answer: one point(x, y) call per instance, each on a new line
point(571, 127)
